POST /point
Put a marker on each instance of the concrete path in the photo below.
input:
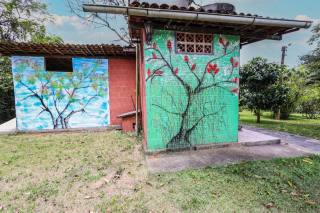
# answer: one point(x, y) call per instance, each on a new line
point(291, 146)
point(301, 142)
point(8, 127)
point(253, 138)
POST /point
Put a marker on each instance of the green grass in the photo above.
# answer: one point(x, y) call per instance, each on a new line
point(106, 172)
point(297, 124)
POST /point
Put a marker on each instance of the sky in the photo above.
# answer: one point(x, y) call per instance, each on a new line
point(74, 30)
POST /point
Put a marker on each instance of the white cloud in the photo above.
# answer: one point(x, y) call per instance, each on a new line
point(73, 29)
point(74, 21)
point(302, 17)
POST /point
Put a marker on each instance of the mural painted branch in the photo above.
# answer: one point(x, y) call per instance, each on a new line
point(193, 89)
point(61, 95)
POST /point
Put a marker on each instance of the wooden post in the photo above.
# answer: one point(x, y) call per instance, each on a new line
point(137, 90)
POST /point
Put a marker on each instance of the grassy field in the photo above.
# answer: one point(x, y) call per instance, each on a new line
point(106, 172)
point(297, 124)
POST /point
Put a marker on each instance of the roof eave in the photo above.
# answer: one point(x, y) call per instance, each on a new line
point(64, 50)
point(197, 16)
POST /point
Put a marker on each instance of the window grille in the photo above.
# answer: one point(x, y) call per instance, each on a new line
point(196, 43)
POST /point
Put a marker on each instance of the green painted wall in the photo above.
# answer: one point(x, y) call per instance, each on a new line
point(191, 99)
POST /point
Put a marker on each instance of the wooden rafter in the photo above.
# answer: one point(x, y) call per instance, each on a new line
point(63, 50)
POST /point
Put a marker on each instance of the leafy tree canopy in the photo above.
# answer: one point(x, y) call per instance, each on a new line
point(258, 84)
point(309, 103)
point(312, 60)
point(20, 20)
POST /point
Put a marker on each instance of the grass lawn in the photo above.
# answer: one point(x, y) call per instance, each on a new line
point(106, 172)
point(297, 124)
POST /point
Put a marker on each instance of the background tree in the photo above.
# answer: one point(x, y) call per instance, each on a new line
point(20, 20)
point(288, 89)
point(7, 110)
point(312, 60)
point(102, 20)
point(258, 79)
point(309, 103)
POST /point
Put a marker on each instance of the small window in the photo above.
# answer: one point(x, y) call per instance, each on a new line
point(56, 64)
point(197, 43)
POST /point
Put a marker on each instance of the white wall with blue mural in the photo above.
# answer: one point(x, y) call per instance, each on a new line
point(61, 100)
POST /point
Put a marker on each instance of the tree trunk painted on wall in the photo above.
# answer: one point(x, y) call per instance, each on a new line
point(191, 99)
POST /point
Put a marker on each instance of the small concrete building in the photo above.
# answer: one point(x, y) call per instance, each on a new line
point(180, 84)
point(189, 67)
point(63, 86)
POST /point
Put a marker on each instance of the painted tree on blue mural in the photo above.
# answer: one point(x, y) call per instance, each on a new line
point(61, 97)
point(206, 78)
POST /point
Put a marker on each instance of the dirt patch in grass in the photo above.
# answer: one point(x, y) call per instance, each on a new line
point(106, 172)
point(69, 172)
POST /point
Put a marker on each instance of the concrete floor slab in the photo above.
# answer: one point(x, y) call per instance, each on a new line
point(9, 126)
point(250, 138)
point(253, 145)
point(169, 162)
point(299, 141)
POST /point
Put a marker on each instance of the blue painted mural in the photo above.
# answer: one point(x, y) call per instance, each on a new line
point(61, 100)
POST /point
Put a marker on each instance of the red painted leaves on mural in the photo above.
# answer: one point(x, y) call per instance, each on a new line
point(234, 62)
point(154, 46)
point(213, 68)
point(155, 73)
point(222, 41)
point(154, 56)
point(169, 45)
point(176, 71)
point(234, 90)
point(235, 80)
point(216, 71)
point(193, 67)
point(225, 43)
point(158, 73)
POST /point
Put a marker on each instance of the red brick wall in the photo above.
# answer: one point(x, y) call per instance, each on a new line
point(122, 85)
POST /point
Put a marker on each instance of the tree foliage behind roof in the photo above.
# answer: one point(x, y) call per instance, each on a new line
point(109, 21)
point(259, 89)
point(312, 60)
point(20, 20)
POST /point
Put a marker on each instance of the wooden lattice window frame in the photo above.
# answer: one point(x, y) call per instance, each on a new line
point(194, 43)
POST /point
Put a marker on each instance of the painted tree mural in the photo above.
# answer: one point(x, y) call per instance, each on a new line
point(56, 98)
point(190, 89)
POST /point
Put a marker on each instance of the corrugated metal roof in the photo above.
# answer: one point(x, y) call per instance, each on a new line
point(191, 8)
point(248, 33)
